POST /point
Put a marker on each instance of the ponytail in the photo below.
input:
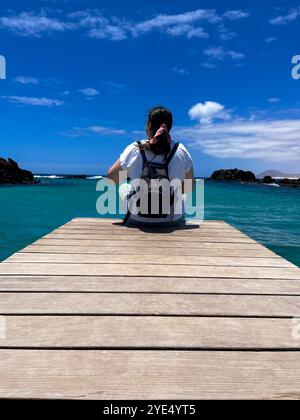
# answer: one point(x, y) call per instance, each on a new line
point(159, 124)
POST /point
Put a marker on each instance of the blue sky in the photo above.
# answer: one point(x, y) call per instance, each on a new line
point(81, 75)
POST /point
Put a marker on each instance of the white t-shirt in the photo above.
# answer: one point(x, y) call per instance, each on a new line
point(131, 161)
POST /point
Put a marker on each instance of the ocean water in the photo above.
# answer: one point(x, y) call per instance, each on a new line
point(268, 214)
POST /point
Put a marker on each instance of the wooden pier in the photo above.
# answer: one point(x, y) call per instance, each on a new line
point(95, 310)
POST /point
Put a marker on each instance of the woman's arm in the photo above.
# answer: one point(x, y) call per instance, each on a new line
point(113, 172)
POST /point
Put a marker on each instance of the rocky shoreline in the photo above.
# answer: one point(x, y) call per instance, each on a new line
point(248, 177)
point(285, 182)
point(11, 174)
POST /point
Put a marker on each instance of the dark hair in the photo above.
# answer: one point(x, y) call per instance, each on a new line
point(157, 116)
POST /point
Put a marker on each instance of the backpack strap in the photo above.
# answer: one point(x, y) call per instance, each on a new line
point(145, 160)
point(172, 153)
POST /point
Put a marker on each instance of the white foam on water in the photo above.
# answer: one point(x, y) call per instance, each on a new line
point(272, 185)
point(48, 177)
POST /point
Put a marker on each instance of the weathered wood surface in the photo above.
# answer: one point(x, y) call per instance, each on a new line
point(149, 374)
point(170, 270)
point(149, 304)
point(148, 332)
point(156, 243)
point(149, 285)
point(145, 237)
point(96, 310)
point(187, 234)
point(151, 251)
point(144, 259)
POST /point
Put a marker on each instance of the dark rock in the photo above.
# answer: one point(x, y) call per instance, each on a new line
point(13, 164)
point(268, 180)
point(233, 175)
point(287, 182)
point(10, 173)
point(3, 163)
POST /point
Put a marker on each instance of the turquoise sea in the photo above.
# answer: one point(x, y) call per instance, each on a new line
point(268, 214)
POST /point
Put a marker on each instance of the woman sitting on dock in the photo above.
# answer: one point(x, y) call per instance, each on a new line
point(156, 159)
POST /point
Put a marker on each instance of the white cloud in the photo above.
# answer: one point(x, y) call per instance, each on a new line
point(89, 92)
point(291, 16)
point(235, 55)
point(273, 100)
point(206, 112)
point(173, 25)
point(270, 39)
point(273, 140)
point(219, 53)
point(188, 30)
point(209, 65)
point(95, 129)
point(113, 87)
point(96, 25)
point(236, 14)
point(168, 21)
point(197, 33)
point(225, 33)
point(117, 29)
point(114, 33)
point(113, 28)
point(105, 130)
point(26, 80)
point(27, 100)
point(182, 72)
point(32, 24)
point(99, 26)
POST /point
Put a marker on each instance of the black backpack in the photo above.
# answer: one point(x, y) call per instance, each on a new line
point(151, 172)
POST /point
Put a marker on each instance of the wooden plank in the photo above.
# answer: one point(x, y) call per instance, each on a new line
point(109, 221)
point(163, 233)
point(147, 332)
point(148, 285)
point(118, 223)
point(112, 221)
point(144, 259)
point(131, 250)
point(158, 375)
point(149, 237)
point(95, 220)
point(117, 242)
point(121, 228)
point(149, 304)
point(148, 270)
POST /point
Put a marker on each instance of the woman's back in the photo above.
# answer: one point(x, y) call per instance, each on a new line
point(131, 161)
point(142, 162)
